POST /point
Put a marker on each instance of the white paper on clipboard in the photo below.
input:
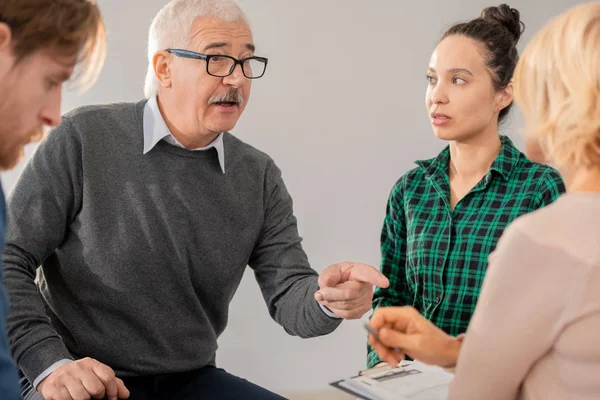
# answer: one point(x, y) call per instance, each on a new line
point(414, 381)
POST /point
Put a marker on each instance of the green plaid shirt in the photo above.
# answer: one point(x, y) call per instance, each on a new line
point(436, 258)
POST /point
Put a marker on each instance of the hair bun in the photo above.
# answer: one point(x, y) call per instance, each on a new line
point(506, 16)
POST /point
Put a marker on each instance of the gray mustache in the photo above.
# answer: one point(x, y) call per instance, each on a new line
point(232, 96)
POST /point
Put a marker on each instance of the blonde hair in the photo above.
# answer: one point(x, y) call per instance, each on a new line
point(171, 28)
point(557, 84)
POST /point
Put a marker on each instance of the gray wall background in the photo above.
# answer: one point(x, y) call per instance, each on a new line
point(341, 110)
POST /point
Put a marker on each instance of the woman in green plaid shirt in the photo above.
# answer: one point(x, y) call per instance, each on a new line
point(445, 217)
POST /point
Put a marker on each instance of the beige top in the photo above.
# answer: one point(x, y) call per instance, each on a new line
point(536, 331)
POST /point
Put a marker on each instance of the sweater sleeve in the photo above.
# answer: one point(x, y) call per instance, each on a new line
point(43, 204)
point(281, 266)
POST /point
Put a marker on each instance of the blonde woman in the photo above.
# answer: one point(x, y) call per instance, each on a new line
point(534, 333)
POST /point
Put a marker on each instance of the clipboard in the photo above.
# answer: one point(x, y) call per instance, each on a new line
point(408, 380)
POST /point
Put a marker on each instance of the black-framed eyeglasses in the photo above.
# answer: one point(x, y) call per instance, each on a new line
point(220, 65)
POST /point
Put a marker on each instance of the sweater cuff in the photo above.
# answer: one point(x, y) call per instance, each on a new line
point(41, 356)
point(328, 312)
point(48, 371)
point(324, 323)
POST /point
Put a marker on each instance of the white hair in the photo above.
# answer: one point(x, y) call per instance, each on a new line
point(171, 28)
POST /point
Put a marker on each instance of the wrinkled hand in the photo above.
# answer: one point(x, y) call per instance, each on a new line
point(81, 380)
point(347, 288)
point(406, 329)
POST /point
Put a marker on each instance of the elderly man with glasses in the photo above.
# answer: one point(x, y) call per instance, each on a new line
point(143, 218)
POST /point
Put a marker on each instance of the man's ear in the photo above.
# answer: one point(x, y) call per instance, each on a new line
point(160, 61)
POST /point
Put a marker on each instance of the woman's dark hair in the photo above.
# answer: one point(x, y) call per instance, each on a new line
point(498, 29)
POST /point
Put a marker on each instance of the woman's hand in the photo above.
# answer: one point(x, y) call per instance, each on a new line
point(404, 328)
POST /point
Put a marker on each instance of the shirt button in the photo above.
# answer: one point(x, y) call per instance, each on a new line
point(437, 299)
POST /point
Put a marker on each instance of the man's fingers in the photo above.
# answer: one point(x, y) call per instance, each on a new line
point(348, 300)
point(346, 292)
point(368, 274)
point(122, 391)
point(107, 376)
point(93, 386)
point(81, 380)
point(75, 388)
point(350, 271)
point(62, 394)
point(330, 276)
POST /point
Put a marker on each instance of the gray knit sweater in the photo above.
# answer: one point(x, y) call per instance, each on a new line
point(141, 254)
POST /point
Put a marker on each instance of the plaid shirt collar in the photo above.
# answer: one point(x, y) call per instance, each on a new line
point(503, 164)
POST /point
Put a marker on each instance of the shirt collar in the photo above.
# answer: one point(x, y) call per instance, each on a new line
point(509, 157)
point(503, 164)
point(155, 130)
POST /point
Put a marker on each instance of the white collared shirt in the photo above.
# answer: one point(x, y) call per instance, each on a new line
point(155, 130)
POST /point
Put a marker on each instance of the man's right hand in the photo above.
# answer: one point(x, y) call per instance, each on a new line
point(81, 380)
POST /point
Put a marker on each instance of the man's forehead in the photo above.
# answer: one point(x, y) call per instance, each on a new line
point(226, 45)
point(212, 33)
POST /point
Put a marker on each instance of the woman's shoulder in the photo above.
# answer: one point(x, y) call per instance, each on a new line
point(540, 178)
point(561, 225)
point(541, 170)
